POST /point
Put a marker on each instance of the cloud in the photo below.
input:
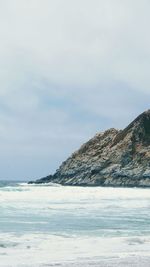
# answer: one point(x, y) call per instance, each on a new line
point(67, 70)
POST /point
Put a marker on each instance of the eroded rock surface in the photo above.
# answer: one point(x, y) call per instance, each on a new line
point(112, 158)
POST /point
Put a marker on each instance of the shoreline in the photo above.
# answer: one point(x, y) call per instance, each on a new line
point(134, 261)
point(88, 186)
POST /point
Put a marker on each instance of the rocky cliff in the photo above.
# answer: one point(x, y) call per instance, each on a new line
point(111, 158)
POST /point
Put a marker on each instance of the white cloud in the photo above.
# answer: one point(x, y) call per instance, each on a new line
point(68, 69)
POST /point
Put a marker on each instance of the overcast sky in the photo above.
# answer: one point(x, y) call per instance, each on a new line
point(68, 69)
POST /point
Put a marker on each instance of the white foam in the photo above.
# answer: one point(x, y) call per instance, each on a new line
point(39, 248)
point(44, 249)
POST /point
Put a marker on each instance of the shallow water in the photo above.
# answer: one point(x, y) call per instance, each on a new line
point(70, 226)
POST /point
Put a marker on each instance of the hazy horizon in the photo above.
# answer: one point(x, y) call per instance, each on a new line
point(68, 70)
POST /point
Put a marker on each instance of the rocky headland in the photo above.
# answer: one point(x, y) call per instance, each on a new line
point(112, 158)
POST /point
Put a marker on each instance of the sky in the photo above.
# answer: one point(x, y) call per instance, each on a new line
point(68, 70)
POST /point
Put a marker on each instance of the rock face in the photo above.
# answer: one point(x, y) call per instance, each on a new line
point(112, 158)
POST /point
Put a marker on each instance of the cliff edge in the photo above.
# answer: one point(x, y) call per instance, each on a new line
point(111, 158)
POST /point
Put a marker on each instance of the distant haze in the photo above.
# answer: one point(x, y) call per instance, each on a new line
point(68, 69)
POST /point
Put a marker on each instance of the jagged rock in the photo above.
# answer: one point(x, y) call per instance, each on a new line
point(112, 158)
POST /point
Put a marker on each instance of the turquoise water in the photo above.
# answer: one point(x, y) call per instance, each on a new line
point(51, 224)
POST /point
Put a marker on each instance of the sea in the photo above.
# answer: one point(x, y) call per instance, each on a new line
point(53, 225)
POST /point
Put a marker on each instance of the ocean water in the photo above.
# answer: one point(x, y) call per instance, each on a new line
point(43, 226)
